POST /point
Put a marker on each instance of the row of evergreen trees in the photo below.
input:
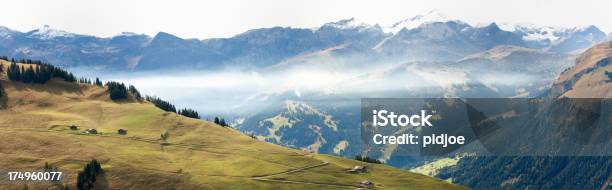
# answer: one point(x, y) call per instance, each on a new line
point(87, 178)
point(367, 159)
point(84, 80)
point(169, 107)
point(161, 104)
point(96, 82)
point(27, 61)
point(117, 90)
point(221, 121)
point(189, 113)
point(38, 73)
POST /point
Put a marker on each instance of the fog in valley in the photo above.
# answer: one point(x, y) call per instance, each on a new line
point(237, 92)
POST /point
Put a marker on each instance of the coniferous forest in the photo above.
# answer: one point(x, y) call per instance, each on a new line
point(37, 72)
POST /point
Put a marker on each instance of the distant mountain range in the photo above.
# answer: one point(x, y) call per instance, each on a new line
point(428, 37)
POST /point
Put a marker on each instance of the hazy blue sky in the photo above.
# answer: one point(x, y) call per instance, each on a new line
point(224, 18)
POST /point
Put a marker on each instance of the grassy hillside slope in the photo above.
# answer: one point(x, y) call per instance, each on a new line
point(34, 128)
point(588, 78)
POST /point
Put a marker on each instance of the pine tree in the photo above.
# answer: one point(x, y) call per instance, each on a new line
point(161, 104)
point(28, 76)
point(14, 72)
point(135, 92)
point(189, 113)
point(117, 91)
point(216, 121)
point(22, 73)
point(87, 178)
point(223, 123)
point(98, 82)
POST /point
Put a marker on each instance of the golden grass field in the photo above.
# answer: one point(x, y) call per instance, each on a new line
point(590, 79)
point(198, 154)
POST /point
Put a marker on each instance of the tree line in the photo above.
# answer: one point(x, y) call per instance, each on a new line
point(117, 91)
point(189, 113)
point(26, 61)
point(37, 72)
point(220, 121)
point(96, 82)
point(169, 107)
point(367, 159)
point(161, 104)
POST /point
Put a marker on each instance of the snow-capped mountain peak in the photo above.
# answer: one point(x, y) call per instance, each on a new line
point(46, 32)
point(532, 32)
point(350, 23)
point(416, 21)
